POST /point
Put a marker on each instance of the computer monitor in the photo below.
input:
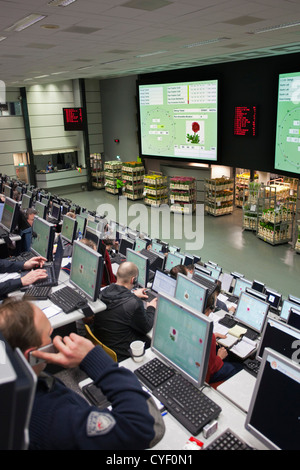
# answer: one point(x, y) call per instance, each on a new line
point(236, 275)
point(142, 263)
point(17, 390)
point(81, 223)
point(173, 259)
point(7, 191)
point(258, 286)
point(45, 200)
point(55, 211)
point(26, 202)
point(163, 283)
point(278, 336)
point(65, 208)
point(188, 259)
point(92, 234)
point(10, 215)
point(294, 299)
point(285, 309)
point(204, 279)
point(273, 415)
point(86, 270)
point(69, 229)
point(124, 244)
point(173, 249)
point(42, 242)
point(191, 293)
point(156, 247)
point(215, 270)
point(92, 223)
point(41, 209)
point(203, 270)
point(273, 298)
point(256, 293)
point(140, 244)
point(294, 318)
point(156, 260)
point(182, 337)
point(251, 312)
point(240, 286)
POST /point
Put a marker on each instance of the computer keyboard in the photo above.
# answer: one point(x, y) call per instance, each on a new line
point(37, 292)
point(68, 299)
point(228, 441)
point(228, 321)
point(181, 398)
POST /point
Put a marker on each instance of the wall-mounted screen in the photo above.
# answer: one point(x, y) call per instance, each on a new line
point(245, 120)
point(73, 120)
point(287, 149)
point(179, 120)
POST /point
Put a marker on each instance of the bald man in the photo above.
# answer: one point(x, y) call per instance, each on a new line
point(125, 318)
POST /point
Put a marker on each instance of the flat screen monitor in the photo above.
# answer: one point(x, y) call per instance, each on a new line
point(140, 244)
point(215, 270)
point(92, 223)
point(26, 202)
point(173, 249)
point(17, 391)
point(278, 336)
point(288, 124)
point(251, 312)
point(173, 259)
point(55, 211)
point(92, 234)
point(86, 270)
point(285, 309)
point(182, 337)
point(41, 209)
point(64, 208)
point(163, 283)
point(69, 229)
point(179, 120)
point(273, 298)
point(156, 260)
point(188, 259)
point(10, 215)
point(124, 244)
point(273, 415)
point(259, 286)
point(157, 247)
point(7, 191)
point(81, 223)
point(257, 294)
point(240, 286)
point(294, 318)
point(191, 293)
point(142, 263)
point(45, 200)
point(42, 243)
point(294, 299)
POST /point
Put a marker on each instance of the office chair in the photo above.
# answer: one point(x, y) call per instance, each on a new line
point(96, 341)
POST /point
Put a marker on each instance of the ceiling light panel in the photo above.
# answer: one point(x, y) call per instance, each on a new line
point(26, 22)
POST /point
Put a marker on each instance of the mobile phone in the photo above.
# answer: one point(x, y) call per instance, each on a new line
point(49, 348)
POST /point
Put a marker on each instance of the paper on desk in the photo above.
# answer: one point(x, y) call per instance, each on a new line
point(51, 311)
point(227, 342)
point(7, 276)
point(237, 331)
point(114, 268)
point(244, 348)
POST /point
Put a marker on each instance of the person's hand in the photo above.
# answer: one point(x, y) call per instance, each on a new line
point(220, 335)
point(71, 350)
point(141, 293)
point(153, 303)
point(35, 262)
point(222, 353)
point(33, 276)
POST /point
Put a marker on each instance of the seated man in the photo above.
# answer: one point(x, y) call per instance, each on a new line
point(7, 266)
point(125, 318)
point(61, 419)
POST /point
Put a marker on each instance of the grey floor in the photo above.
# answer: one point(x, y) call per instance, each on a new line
point(224, 240)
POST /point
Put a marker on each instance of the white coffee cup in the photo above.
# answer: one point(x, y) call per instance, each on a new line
point(137, 349)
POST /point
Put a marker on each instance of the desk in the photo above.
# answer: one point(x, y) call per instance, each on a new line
point(176, 435)
point(61, 178)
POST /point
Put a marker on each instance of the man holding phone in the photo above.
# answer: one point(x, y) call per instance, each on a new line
point(63, 420)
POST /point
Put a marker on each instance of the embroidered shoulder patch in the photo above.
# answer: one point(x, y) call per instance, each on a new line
point(99, 423)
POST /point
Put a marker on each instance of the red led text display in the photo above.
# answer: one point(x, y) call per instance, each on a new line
point(73, 120)
point(245, 120)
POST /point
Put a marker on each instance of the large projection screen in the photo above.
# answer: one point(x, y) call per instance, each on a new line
point(179, 120)
point(287, 149)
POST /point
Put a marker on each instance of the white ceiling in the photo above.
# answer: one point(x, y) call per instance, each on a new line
point(114, 38)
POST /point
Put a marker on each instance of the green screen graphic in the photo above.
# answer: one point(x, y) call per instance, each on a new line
point(179, 120)
point(287, 150)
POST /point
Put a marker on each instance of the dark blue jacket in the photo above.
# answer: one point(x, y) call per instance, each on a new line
point(63, 420)
point(7, 266)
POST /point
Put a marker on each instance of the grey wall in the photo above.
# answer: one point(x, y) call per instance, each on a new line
point(119, 114)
